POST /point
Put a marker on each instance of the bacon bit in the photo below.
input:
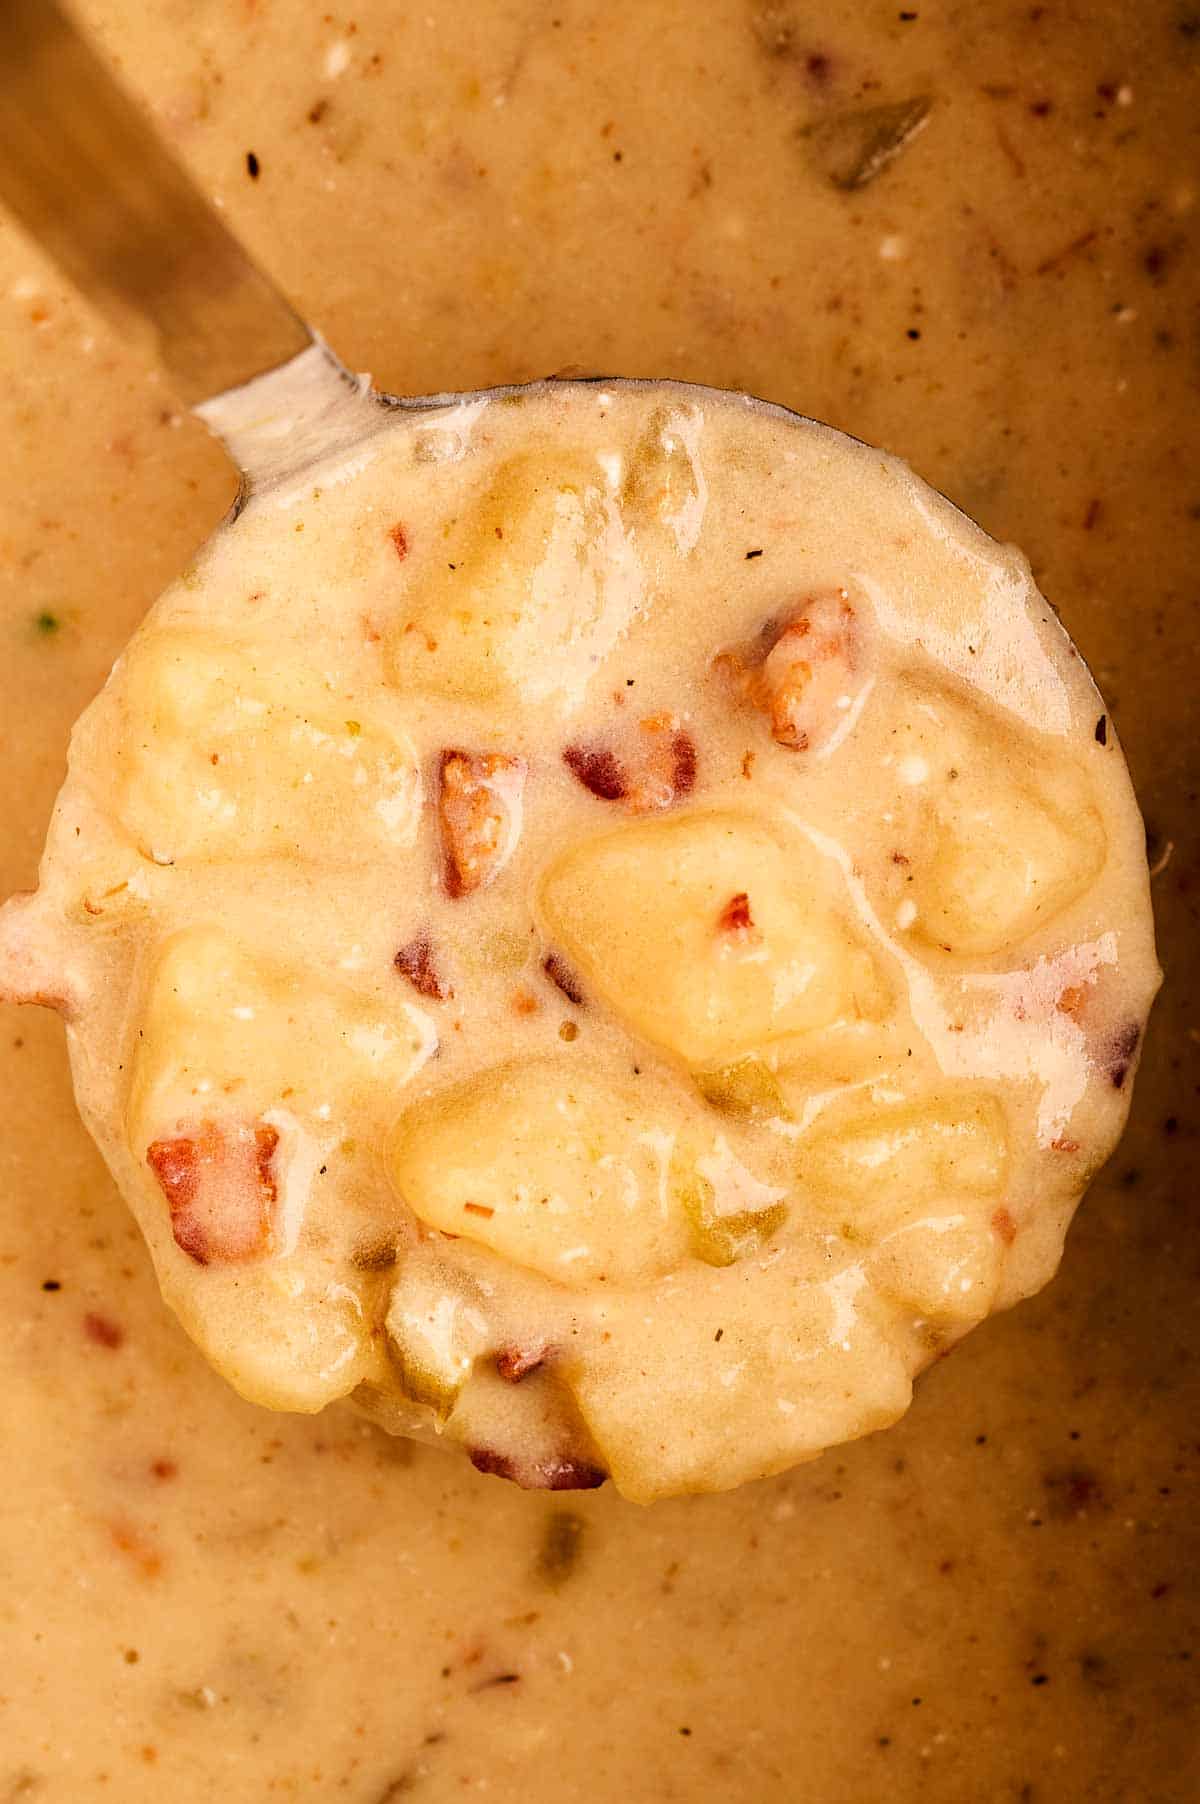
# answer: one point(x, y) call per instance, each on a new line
point(415, 961)
point(129, 1540)
point(219, 1189)
point(399, 539)
point(1005, 1226)
point(801, 672)
point(1124, 1045)
point(1071, 1001)
point(483, 1209)
point(664, 770)
point(1062, 1145)
point(735, 917)
point(901, 858)
point(515, 1363)
point(164, 1469)
point(553, 1474)
point(103, 1331)
point(598, 771)
point(560, 974)
point(479, 812)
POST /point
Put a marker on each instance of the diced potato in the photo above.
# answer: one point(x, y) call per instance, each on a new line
point(1003, 863)
point(946, 1266)
point(763, 1367)
point(437, 1332)
point(643, 913)
point(530, 589)
point(986, 850)
point(876, 1166)
point(231, 753)
point(226, 1034)
point(288, 1335)
point(554, 1170)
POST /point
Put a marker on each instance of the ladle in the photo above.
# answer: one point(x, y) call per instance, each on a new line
point(90, 180)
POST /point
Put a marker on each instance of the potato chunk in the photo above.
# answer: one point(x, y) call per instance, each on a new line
point(919, 1183)
point(987, 846)
point(224, 1034)
point(762, 1368)
point(553, 1169)
point(532, 587)
point(228, 753)
point(645, 914)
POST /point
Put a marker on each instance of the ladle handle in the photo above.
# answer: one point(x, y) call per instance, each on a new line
point(87, 176)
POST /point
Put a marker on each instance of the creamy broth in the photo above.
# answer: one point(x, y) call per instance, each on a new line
point(993, 1599)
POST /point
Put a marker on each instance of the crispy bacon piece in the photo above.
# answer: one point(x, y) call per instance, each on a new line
point(549, 1474)
point(415, 961)
point(479, 813)
point(399, 538)
point(515, 1363)
point(808, 669)
point(656, 771)
point(599, 771)
point(735, 917)
point(561, 975)
point(220, 1189)
point(1123, 1047)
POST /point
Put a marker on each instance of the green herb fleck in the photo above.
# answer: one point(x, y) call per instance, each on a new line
point(562, 1538)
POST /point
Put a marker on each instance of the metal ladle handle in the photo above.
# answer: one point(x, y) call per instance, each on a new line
point(85, 173)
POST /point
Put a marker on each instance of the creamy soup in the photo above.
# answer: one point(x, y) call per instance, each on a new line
point(968, 237)
point(604, 923)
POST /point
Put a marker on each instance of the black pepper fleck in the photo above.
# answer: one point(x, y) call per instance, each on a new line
point(253, 166)
point(1102, 730)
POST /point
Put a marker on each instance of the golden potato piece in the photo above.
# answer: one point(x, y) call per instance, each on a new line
point(945, 1265)
point(987, 847)
point(231, 753)
point(645, 914)
point(226, 1035)
point(531, 588)
point(762, 1368)
point(553, 1169)
point(876, 1166)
